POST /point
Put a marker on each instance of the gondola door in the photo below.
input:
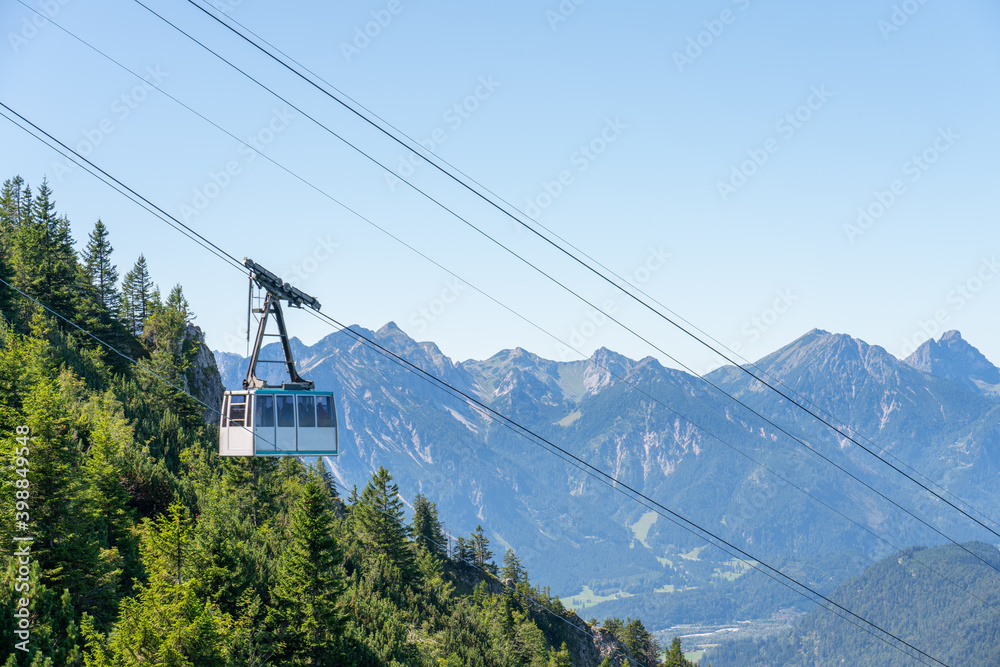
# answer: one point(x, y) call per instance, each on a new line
point(285, 439)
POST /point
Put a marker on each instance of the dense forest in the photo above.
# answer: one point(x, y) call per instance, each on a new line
point(134, 543)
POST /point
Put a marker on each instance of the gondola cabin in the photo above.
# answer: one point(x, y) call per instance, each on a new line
point(278, 422)
point(287, 419)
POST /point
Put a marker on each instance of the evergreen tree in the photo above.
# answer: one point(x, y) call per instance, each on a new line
point(675, 656)
point(307, 619)
point(481, 553)
point(379, 520)
point(165, 623)
point(427, 529)
point(560, 658)
point(639, 641)
point(512, 568)
point(8, 297)
point(11, 213)
point(137, 297)
point(330, 486)
point(15, 206)
point(177, 303)
point(165, 332)
point(100, 272)
point(42, 255)
point(464, 550)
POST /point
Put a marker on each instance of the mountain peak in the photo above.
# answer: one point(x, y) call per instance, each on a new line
point(390, 329)
point(949, 336)
point(953, 358)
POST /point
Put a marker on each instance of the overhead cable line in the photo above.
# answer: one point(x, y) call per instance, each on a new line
point(415, 147)
point(634, 385)
point(628, 381)
point(113, 182)
point(769, 421)
point(216, 410)
point(626, 490)
point(532, 601)
point(593, 305)
point(518, 219)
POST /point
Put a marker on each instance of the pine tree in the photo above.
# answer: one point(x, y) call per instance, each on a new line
point(11, 213)
point(8, 297)
point(101, 273)
point(164, 331)
point(379, 520)
point(329, 484)
point(305, 612)
point(427, 529)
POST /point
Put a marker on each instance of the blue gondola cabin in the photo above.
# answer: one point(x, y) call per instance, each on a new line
point(278, 422)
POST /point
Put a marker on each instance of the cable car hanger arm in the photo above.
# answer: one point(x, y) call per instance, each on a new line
point(276, 291)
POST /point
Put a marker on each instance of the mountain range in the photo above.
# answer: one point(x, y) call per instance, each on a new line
point(732, 467)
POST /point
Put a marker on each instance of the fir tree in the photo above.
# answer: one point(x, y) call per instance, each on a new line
point(512, 568)
point(378, 519)
point(307, 619)
point(560, 658)
point(15, 203)
point(8, 297)
point(100, 272)
point(11, 213)
point(165, 332)
point(137, 297)
point(481, 553)
point(675, 655)
point(165, 623)
point(42, 255)
point(427, 529)
point(177, 303)
point(463, 550)
point(640, 642)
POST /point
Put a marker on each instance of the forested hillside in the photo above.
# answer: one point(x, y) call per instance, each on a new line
point(136, 544)
point(959, 628)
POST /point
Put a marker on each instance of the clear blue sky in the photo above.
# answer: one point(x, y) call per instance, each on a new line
point(822, 107)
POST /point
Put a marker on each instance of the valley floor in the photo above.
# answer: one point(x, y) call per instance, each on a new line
point(698, 638)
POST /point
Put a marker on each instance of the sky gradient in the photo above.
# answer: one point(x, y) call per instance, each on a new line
point(760, 168)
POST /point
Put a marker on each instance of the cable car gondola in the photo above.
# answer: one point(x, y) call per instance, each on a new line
point(290, 419)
